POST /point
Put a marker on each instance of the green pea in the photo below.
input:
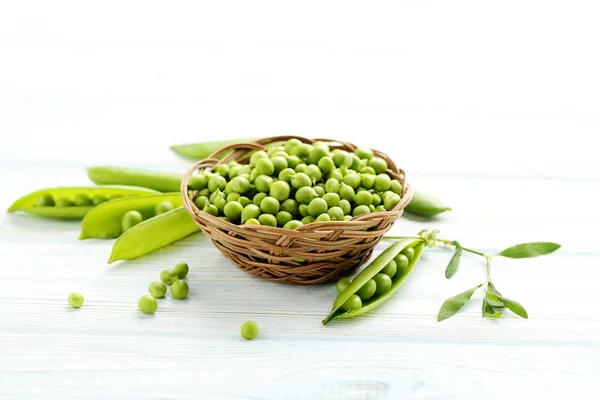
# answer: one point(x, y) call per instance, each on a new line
point(367, 290)
point(301, 180)
point(346, 192)
point(198, 182)
point(283, 217)
point(130, 219)
point(364, 153)
point(290, 205)
point(352, 180)
point(353, 303)
point(233, 172)
point(342, 158)
point(322, 145)
point(348, 217)
point(317, 153)
point(201, 201)
point(313, 172)
point(380, 208)
point(252, 221)
point(280, 163)
point(317, 207)
point(390, 269)
point(269, 205)
point(305, 195)
point(396, 187)
point(233, 197)
point(163, 207)
point(75, 300)
point(302, 150)
point(371, 207)
point(249, 330)
point(258, 198)
point(367, 180)
point(179, 289)
point(99, 199)
point(391, 201)
point(181, 270)
point(293, 224)
point(233, 210)
point(45, 200)
point(216, 182)
point(63, 202)
point(326, 165)
point(342, 284)
point(280, 190)
point(286, 175)
point(204, 192)
point(367, 170)
point(332, 185)
point(222, 169)
point(336, 213)
point(409, 252)
point(303, 210)
point(267, 219)
point(382, 182)
point(308, 219)
point(357, 163)
point(220, 203)
point(378, 164)
point(264, 166)
point(82, 200)
point(401, 262)
point(384, 283)
point(345, 206)
point(335, 174)
point(263, 183)
point(332, 199)
point(293, 161)
point(147, 304)
point(360, 210)
point(363, 198)
point(257, 156)
point(278, 152)
point(168, 276)
point(228, 188)
point(211, 209)
point(240, 184)
point(319, 190)
point(157, 290)
point(251, 211)
point(375, 199)
point(291, 143)
point(323, 218)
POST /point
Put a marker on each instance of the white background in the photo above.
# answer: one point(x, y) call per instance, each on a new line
point(490, 106)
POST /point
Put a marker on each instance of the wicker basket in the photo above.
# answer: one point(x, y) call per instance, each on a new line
point(330, 250)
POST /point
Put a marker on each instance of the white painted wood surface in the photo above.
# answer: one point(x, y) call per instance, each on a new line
point(487, 106)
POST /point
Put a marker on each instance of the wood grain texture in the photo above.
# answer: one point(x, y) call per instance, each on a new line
point(118, 84)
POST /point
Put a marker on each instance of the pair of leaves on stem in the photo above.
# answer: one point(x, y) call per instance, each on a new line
point(523, 250)
point(493, 304)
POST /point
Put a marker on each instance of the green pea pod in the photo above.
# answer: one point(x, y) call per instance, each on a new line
point(369, 272)
point(424, 204)
point(28, 203)
point(200, 151)
point(104, 221)
point(157, 180)
point(153, 234)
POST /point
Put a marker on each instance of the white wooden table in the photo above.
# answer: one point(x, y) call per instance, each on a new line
point(487, 108)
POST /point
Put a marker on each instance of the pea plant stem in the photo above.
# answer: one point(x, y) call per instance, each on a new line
point(450, 242)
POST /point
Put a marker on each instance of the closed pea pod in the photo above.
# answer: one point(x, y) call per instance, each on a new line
point(339, 311)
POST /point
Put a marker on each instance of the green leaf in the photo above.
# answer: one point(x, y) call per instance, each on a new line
point(515, 307)
point(493, 300)
point(490, 311)
point(452, 305)
point(454, 262)
point(527, 250)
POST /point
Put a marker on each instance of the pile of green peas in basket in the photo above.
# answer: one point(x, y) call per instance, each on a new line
point(298, 183)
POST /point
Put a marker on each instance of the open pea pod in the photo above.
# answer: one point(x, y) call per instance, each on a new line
point(29, 203)
point(104, 221)
point(368, 273)
point(153, 234)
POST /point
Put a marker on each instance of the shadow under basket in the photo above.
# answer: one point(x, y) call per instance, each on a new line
point(314, 253)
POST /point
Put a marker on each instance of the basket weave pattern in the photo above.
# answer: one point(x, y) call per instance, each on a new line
point(314, 253)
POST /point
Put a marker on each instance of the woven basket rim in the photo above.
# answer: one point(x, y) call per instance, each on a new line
point(299, 232)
